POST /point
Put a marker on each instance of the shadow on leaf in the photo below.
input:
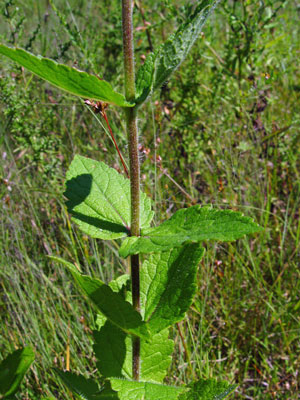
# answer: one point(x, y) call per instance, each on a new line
point(107, 340)
point(77, 191)
point(99, 223)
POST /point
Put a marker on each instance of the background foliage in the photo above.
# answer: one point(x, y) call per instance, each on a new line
point(223, 130)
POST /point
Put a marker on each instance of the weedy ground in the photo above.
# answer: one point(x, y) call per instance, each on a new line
point(224, 130)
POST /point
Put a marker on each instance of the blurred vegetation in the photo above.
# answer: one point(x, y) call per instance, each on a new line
point(224, 130)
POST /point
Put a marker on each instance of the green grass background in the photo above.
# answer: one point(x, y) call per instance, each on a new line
point(224, 130)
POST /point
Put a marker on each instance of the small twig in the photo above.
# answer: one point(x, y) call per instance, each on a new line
point(100, 107)
point(139, 7)
point(164, 171)
point(115, 143)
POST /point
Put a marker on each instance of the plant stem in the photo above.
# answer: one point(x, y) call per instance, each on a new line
point(134, 166)
point(128, 49)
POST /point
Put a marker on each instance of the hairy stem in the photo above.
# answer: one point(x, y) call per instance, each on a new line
point(134, 167)
point(128, 49)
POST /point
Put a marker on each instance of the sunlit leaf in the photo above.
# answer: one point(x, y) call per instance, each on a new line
point(192, 224)
point(168, 285)
point(133, 390)
point(64, 77)
point(209, 389)
point(99, 199)
point(160, 65)
point(113, 350)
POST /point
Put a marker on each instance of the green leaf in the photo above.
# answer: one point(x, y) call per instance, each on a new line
point(156, 356)
point(64, 77)
point(144, 79)
point(159, 66)
point(113, 350)
point(207, 390)
point(86, 389)
point(107, 393)
point(190, 224)
point(117, 285)
point(133, 390)
point(109, 303)
point(12, 370)
point(99, 199)
point(120, 282)
point(168, 285)
point(111, 346)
